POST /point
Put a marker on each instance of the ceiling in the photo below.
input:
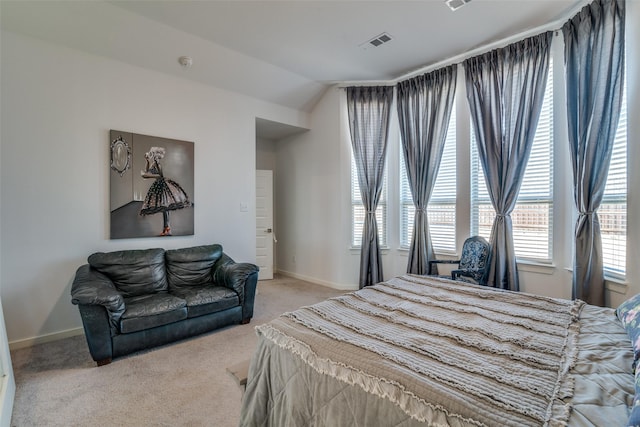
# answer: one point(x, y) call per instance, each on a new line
point(284, 52)
point(322, 40)
point(275, 131)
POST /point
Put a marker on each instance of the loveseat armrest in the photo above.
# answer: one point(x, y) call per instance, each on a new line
point(234, 275)
point(242, 278)
point(91, 287)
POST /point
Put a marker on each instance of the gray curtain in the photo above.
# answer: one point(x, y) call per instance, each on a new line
point(424, 109)
point(505, 89)
point(369, 109)
point(594, 67)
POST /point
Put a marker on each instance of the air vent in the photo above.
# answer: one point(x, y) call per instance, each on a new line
point(378, 40)
point(456, 4)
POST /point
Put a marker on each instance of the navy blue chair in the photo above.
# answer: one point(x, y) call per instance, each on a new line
point(473, 265)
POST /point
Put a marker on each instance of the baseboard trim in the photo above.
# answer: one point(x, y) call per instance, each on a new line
point(41, 339)
point(332, 285)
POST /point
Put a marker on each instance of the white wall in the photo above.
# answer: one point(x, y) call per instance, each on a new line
point(7, 382)
point(327, 151)
point(311, 221)
point(58, 105)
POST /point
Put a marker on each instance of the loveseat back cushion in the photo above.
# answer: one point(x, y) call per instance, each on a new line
point(133, 272)
point(191, 266)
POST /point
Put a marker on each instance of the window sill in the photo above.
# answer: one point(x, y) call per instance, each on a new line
point(356, 249)
point(612, 283)
point(615, 284)
point(439, 255)
point(536, 267)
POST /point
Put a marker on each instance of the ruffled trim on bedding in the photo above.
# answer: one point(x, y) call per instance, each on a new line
point(559, 411)
point(412, 405)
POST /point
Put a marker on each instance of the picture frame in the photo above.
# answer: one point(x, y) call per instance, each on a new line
point(151, 186)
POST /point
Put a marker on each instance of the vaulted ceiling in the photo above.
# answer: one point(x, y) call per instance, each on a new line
point(285, 52)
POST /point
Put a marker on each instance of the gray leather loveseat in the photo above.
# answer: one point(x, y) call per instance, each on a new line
point(135, 299)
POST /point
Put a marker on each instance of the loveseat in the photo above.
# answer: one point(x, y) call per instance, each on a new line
point(136, 299)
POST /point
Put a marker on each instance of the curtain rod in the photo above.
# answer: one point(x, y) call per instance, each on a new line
point(554, 26)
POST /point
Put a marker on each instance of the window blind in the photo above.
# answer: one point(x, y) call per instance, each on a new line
point(532, 216)
point(613, 209)
point(441, 209)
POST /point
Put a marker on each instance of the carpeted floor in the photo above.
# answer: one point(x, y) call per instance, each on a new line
point(182, 384)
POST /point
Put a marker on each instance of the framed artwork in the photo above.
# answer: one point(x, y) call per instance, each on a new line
point(151, 186)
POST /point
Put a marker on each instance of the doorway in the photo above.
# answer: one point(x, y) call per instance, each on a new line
point(268, 135)
point(265, 237)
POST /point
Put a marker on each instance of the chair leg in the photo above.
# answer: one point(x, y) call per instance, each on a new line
point(103, 361)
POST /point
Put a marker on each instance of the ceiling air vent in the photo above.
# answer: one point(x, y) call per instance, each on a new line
point(378, 40)
point(456, 4)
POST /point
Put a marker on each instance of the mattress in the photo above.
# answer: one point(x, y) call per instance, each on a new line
point(427, 351)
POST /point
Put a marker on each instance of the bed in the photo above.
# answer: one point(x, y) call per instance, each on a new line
point(427, 351)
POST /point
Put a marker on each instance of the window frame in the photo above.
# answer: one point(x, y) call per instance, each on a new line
point(479, 196)
point(407, 208)
point(617, 198)
point(382, 216)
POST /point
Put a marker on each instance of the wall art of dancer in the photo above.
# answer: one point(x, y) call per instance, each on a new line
point(164, 195)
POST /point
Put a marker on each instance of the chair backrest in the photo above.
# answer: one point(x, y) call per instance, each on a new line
point(476, 253)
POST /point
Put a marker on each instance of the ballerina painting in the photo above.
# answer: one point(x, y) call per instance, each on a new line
point(151, 186)
point(164, 195)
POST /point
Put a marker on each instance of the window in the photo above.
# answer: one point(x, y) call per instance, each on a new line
point(533, 215)
point(358, 211)
point(442, 205)
point(613, 209)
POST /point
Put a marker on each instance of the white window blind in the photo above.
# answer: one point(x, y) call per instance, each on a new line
point(442, 205)
point(613, 209)
point(533, 215)
point(358, 210)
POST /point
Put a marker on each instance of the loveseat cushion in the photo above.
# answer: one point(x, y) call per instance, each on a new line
point(133, 272)
point(149, 311)
point(191, 266)
point(203, 300)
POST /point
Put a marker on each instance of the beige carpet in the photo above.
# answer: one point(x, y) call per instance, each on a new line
point(182, 384)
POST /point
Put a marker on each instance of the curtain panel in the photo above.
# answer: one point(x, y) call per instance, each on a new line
point(424, 109)
point(505, 90)
point(594, 67)
point(369, 110)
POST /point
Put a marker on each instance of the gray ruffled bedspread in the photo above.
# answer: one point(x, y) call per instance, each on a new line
point(424, 351)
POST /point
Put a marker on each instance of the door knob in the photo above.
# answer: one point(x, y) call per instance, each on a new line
point(269, 230)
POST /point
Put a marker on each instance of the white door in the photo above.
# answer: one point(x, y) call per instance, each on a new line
point(264, 224)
